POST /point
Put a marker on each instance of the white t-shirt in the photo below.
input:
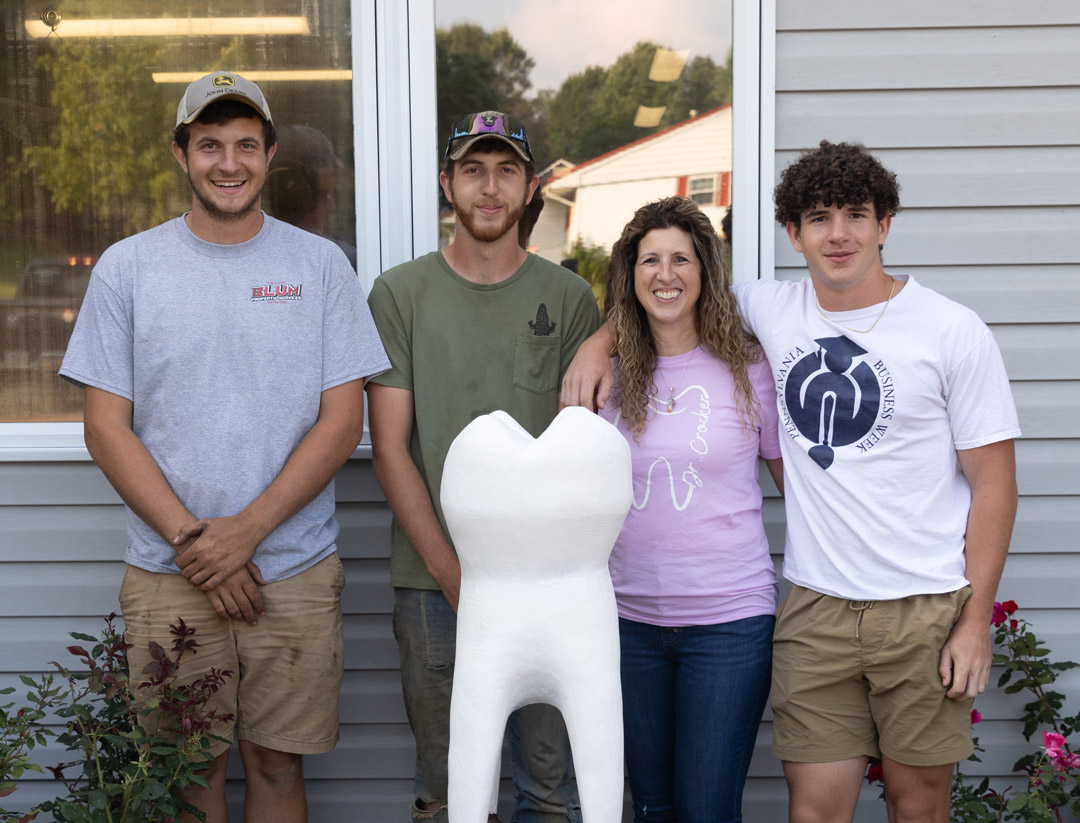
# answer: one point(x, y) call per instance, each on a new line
point(870, 424)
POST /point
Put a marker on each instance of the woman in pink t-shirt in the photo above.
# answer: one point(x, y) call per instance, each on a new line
point(693, 578)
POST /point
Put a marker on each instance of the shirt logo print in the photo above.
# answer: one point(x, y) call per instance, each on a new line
point(540, 326)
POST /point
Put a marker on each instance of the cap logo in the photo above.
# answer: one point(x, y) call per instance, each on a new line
point(492, 122)
point(223, 80)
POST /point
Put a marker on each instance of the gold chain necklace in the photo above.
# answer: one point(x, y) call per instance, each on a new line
point(892, 289)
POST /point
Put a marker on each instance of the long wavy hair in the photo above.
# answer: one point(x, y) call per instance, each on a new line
point(718, 323)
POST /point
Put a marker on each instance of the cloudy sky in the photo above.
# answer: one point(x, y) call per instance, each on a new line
point(565, 36)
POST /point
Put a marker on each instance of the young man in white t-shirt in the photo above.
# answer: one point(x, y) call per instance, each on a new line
point(897, 437)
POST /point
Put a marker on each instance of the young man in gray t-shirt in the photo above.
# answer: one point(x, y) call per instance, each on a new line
point(223, 356)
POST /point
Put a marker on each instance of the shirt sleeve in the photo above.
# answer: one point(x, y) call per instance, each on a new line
point(980, 402)
point(394, 335)
point(584, 320)
point(100, 351)
point(761, 380)
point(351, 344)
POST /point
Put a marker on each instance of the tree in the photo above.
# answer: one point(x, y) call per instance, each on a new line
point(105, 151)
point(477, 71)
point(611, 97)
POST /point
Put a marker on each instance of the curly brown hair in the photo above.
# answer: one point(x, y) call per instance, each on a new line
point(718, 323)
point(835, 174)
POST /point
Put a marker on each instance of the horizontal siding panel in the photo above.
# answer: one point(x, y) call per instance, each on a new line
point(980, 176)
point(1048, 409)
point(1045, 581)
point(1046, 524)
point(1048, 352)
point(51, 533)
point(998, 294)
point(82, 483)
point(912, 119)
point(920, 59)
point(75, 589)
point(1012, 294)
point(32, 642)
point(842, 14)
point(991, 236)
point(1048, 467)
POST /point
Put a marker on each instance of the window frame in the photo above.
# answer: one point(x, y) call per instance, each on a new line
point(393, 53)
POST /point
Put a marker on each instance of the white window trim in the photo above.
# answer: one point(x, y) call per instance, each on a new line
point(394, 116)
point(753, 138)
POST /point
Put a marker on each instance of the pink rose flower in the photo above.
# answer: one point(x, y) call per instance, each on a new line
point(976, 717)
point(1053, 743)
point(999, 615)
point(874, 772)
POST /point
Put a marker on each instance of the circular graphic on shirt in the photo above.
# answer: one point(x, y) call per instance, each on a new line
point(835, 396)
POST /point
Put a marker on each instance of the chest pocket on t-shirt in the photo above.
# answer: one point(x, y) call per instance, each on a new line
point(536, 363)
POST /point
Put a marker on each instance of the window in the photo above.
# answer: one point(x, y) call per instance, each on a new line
point(89, 95)
point(701, 189)
point(616, 115)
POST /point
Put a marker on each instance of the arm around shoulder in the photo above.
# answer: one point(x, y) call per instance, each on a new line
point(589, 379)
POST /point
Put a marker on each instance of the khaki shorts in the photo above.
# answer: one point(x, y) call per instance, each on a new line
point(854, 678)
point(286, 670)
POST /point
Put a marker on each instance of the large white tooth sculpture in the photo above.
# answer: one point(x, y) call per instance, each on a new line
point(534, 521)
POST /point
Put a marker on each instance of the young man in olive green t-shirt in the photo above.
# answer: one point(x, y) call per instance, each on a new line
point(479, 326)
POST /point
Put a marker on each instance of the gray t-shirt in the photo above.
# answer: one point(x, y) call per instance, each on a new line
point(224, 351)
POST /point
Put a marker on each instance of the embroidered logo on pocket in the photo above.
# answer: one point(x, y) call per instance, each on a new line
point(540, 326)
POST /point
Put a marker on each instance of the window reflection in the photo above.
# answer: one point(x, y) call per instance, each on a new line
point(88, 101)
point(623, 103)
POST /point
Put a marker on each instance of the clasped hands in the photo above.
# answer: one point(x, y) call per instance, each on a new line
point(214, 555)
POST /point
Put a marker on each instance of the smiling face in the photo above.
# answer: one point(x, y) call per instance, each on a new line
point(226, 165)
point(841, 245)
point(667, 283)
point(489, 191)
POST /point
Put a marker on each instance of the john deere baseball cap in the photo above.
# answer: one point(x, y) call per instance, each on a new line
point(219, 85)
point(484, 125)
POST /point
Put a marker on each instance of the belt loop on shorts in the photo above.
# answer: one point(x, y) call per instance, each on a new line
point(860, 606)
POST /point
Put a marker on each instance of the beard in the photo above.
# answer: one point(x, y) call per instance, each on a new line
point(490, 232)
point(206, 200)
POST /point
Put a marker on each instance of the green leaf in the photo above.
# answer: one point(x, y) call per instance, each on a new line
point(1017, 802)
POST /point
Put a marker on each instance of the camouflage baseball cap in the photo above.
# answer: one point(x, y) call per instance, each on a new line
point(219, 85)
point(488, 124)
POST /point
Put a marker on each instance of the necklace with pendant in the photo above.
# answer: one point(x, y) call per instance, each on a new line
point(670, 402)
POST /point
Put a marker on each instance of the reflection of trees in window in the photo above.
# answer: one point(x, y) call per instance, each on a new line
point(591, 113)
point(84, 151)
point(106, 133)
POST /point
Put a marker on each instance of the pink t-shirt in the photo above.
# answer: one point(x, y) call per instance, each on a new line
point(693, 551)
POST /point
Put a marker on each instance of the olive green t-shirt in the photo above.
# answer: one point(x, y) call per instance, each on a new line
point(465, 349)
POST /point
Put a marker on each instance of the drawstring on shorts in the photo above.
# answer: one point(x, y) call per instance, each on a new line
point(860, 606)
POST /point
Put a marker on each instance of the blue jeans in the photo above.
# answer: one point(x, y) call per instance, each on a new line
point(692, 701)
point(426, 631)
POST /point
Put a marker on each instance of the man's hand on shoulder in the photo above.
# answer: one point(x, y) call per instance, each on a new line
point(588, 379)
point(966, 658)
point(238, 597)
point(219, 548)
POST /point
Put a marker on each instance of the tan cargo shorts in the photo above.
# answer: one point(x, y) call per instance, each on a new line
point(287, 669)
point(853, 678)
